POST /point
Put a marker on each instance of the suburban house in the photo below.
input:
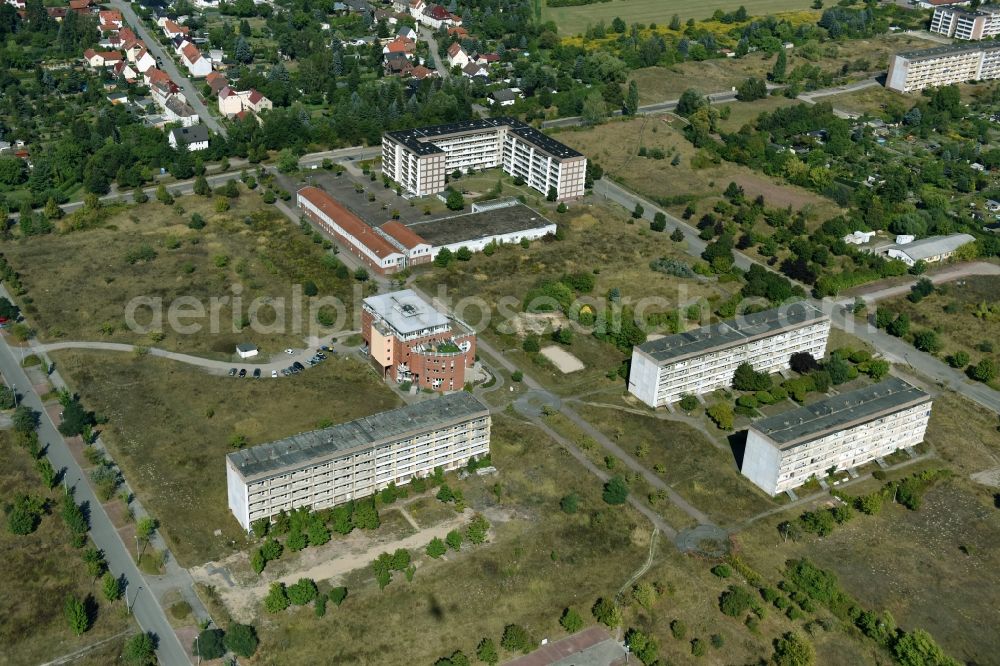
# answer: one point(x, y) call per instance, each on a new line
point(177, 110)
point(98, 59)
point(192, 138)
point(503, 97)
point(434, 16)
point(139, 55)
point(216, 82)
point(487, 59)
point(197, 65)
point(126, 71)
point(233, 102)
point(171, 29)
point(457, 57)
point(928, 250)
point(406, 32)
point(473, 70)
point(400, 45)
point(110, 20)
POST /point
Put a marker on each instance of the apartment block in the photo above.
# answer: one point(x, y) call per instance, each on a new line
point(418, 159)
point(943, 66)
point(706, 358)
point(409, 341)
point(967, 24)
point(353, 460)
point(843, 431)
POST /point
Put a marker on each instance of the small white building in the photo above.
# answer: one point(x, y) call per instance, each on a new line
point(192, 138)
point(246, 350)
point(903, 239)
point(859, 237)
point(457, 57)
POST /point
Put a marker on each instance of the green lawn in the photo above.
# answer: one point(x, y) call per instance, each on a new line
point(573, 20)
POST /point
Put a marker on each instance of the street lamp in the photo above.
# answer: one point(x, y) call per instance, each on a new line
point(127, 604)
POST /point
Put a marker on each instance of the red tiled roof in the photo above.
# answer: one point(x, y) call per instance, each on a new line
point(437, 12)
point(192, 53)
point(126, 34)
point(420, 72)
point(89, 53)
point(403, 234)
point(348, 221)
point(79, 4)
point(400, 45)
point(254, 96)
point(454, 49)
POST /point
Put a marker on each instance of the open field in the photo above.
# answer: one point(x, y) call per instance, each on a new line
point(38, 571)
point(615, 146)
point(950, 312)
point(702, 471)
point(573, 20)
point(741, 113)
point(80, 283)
point(598, 241)
point(910, 562)
point(170, 425)
point(872, 101)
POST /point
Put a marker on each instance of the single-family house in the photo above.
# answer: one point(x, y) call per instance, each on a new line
point(118, 98)
point(126, 71)
point(406, 32)
point(99, 59)
point(233, 102)
point(457, 57)
point(198, 65)
point(420, 72)
point(57, 14)
point(381, 15)
point(396, 64)
point(435, 16)
point(503, 97)
point(216, 56)
point(487, 59)
point(417, 8)
point(473, 70)
point(81, 6)
point(177, 110)
point(172, 29)
point(256, 102)
point(216, 82)
point(110, 20)
point(458, 31)
point(402, 45)
point(192, 138)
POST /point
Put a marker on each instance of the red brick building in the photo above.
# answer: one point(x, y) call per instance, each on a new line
point(408, 340)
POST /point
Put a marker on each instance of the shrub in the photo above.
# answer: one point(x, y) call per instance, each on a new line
point(241, 640)
point(516, 639)
point(571, 621)
point(722, 570)
point(276, 599)
point(736, 601)
point(210, 644)
point(302, 592)
point(615, 491)
point(688, 402)
point(338, 594)
point(722, 415)
point(569, 503)
point(698, 647)
point(678, 629)
point(607, 613)
point(717, 641)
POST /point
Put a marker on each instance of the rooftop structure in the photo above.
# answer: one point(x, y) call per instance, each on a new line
point(474, 230)
point(406, 312)
point(928, 250)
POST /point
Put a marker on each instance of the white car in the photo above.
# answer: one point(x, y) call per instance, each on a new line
point(289, 351)
point(274, 373)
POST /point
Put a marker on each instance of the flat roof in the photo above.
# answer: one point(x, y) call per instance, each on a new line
point(308, 448)
point(406, 312)
point(420, 139)
point(348, 221)
point(731, 332)
point(932, 246)
point(937, 51)
point(475, 226)
point(797, 426)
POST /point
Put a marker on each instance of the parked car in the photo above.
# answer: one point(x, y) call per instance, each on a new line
point(298, 366)
point(289, 351)
point(232, 372)
point(320, 355)
point(274, 373)
point(243, 372)
point(325, 348)
point(285, 372)
point(256, 373)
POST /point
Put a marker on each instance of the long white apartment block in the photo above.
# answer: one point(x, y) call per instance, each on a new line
point(706, 358)
point(418, 159)
point(967, 24)
point(944, 65)
point(353, 460)
point(783, 451)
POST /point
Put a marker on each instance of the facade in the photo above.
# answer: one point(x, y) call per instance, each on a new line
point(408, 340)
point(843, 431)
point(418, 159)
point(457, 56)
point(943, 66)
point(928, 250)
point(353, 460)
point(192, 138)
point(706, 359)
point(198, 66)
point(233, 102)
point(966, 24)
point(351, 231)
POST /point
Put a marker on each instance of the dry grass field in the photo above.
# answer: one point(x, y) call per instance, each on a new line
point(615, 146)
point(950, 312)
point(38, 571)
point(599, 241)
point(170, 425)
point(913, 562)
point(573, 20)
point(81, 282)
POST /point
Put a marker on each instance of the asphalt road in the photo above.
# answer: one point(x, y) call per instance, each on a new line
point(439, 64)
point(158, 51)
point(145, 607)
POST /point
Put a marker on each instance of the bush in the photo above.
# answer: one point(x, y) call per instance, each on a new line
point(276, 599)
point(210, 644)
point(516, 639)
point(338, 594)
point(736, 601)
point(698, 647)
point(571, 621)
point(569, 503)
point(302, 592)
point(678, 629)
point(241, 640)
point(615, 491)
point(722, 570)
point(688, 402)
point(722, 415)
point(607, 613)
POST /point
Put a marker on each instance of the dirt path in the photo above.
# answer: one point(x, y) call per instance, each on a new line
point(879, 291)
point(243, 601)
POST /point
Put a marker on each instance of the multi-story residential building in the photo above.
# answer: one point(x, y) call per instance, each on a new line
point(352, 460)
point(706, 358)
point(943, 66)
point(409, 341)
point(967, 24)
point(783, 451)
point(418, 159)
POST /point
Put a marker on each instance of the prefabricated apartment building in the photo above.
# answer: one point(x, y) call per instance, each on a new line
point(419, 159)
point(706, 358)
point(783, 451)
point(943, 65)
point(353, 460)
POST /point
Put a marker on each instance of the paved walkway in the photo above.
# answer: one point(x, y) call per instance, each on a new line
point(277, 362)
point(876, 292)
point(439, 65)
